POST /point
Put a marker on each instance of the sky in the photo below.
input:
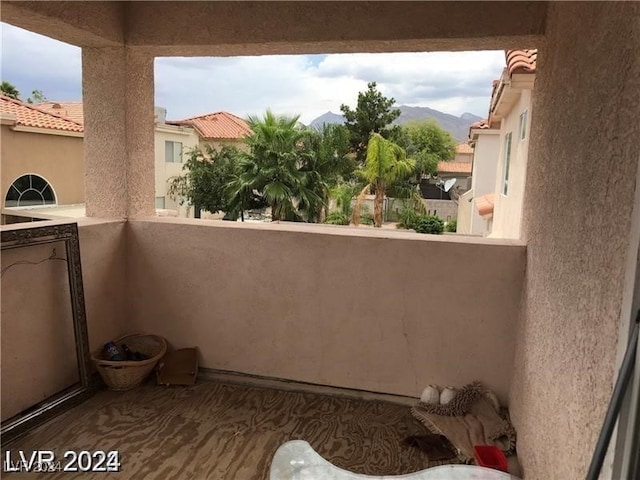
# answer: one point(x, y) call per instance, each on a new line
point(307, 85)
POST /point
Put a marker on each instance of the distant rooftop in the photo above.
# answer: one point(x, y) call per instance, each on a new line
point(30, 115)
point(218, 125)
point(70, 110)
point(455, 167)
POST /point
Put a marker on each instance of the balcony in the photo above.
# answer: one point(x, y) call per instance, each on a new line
point(542, 321)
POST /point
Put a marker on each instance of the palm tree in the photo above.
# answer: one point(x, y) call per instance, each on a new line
point(385, 163)
point(9, 90)
point(325, 160)
point(274, 168)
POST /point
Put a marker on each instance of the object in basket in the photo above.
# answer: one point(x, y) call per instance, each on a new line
point(129, 355)
point(112, 352)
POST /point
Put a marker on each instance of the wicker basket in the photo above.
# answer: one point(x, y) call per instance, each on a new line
point(125, 375)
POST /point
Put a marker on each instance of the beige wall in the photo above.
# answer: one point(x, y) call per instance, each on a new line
point(329, 305)
point(38, 349)
point(507, 211)
point(485, 164)
point(58, 159)
point(577, 215)
point(165, 170)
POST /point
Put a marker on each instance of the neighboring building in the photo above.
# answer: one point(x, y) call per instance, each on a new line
point(510, 115)
point(464, 153)
point(511, 106)
point(485, 139)
point(42, 156)
point(217, 129)
point(173, 140)
point(172, 143)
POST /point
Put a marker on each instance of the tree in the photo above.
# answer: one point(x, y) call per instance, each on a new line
point(386, 163)
point(9, 90)
point(326, 161)
point(373, 114)
point(428, 144)
point(205, 181)
point(37, 97)
point(275, 168)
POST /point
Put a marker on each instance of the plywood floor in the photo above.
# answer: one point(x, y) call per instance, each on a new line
point(227, 431)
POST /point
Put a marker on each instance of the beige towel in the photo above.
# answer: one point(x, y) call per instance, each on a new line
point(469, 419)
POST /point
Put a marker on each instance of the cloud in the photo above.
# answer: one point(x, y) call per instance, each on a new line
point(294, 84)
point(34, 62)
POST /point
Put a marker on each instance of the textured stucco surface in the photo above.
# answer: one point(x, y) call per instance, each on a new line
point(250, 28)
point(370, 313)
point(118, 121)
point(58, 159)
point(92, 24)
point(581, 176)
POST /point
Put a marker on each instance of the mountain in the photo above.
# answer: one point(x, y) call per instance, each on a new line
point(327, 118)
point(458, 127)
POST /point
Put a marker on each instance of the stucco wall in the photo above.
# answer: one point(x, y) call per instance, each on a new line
point(507, 211)
point(485, 163)
point(165, 170)
point(58, 159)
point(38, 350)
point(329, 305)
point(580, 188)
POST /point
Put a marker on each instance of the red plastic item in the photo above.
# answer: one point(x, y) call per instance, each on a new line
point(490, 456)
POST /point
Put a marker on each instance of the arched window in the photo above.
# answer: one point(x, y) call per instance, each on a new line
point(30, 190)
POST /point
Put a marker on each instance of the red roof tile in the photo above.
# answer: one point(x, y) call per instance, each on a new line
point(71, 110)
point(521, 61)
point(464, 148)
point(455, 167)
point(483, 124)
point(29, 115)
point(217, 125)
point(484, 204)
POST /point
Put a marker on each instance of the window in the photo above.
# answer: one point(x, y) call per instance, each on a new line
point(30, 190)
point(523, 125)
point(172, 152)
point(160, 202)
point(507, 161)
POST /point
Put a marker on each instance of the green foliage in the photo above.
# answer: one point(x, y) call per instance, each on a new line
point(283, 167)
point(452, 226)
point(205, 181)
point(429, 224)
point(408, 218)
point(386, 163)
point(326, 161)
point(372, 114)
point(9, 90)
point(428, 144)
point(367, 219)
point(337, 217)
point(343, 194)
point(36, 97)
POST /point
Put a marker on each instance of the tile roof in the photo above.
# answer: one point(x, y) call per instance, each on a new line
point(455, 167)
point(70, 110)
point(484, 204)
point(217, 125)
point(521, 61)
point(483, 124)
point(464, 148)
point(30, 115)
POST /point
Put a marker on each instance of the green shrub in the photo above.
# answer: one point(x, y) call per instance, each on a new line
point(429, 224)
point(337, 217)
point(408, 218)
point(366, 219)
point(452, 226)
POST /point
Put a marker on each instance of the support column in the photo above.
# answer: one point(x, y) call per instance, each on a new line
point(118, 97)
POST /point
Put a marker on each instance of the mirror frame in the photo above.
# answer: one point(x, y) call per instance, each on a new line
point(37, 414)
